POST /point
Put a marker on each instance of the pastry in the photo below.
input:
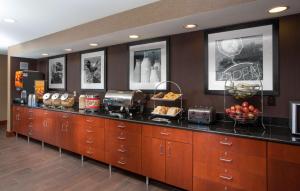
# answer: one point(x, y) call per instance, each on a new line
point(160, 110)
point(158, 95)
point(171, 96)
point(173, 111)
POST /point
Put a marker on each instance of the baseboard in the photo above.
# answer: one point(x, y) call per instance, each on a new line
point(3, 122)
point(10, 134)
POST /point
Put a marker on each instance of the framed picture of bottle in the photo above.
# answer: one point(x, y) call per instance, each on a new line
point(148, 65)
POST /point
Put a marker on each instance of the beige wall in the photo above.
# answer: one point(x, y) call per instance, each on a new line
point(3, 87)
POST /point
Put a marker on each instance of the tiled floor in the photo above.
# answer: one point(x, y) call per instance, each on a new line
point(28, 167)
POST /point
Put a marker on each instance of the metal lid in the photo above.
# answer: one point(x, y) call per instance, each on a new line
point(64, 97)
point(55, 96)
point(46, 96)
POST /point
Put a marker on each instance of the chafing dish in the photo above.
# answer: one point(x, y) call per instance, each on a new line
point(117, 102)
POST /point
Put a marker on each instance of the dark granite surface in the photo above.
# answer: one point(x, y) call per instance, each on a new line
point(281, 134)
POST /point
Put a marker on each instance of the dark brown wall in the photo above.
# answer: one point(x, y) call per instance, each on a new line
point(187, 67)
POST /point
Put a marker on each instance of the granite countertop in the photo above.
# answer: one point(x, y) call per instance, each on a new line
point(280, 134)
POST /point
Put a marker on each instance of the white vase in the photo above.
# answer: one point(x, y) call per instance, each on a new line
point(137, 72)
point(154, 75)
point(145, 70)
point(157, 65)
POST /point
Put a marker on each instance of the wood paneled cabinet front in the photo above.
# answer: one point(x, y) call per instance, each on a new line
point(66, 133)
point(167, 155)
point(283, 167)
point(229, 163)
point(19, 121)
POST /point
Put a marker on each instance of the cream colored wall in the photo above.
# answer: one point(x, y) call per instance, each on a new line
point(3, 87)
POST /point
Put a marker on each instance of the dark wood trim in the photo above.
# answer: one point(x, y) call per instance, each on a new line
point(275, 24)
point(10, 134)
point(159, 39)
point(48, 76)
point(105, 69)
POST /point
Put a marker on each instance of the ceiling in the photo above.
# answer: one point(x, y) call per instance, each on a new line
point(36, 18)
point(153, 20)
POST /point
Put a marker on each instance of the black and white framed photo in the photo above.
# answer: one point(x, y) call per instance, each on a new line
point(148, 66)
point(57, 73)
point(246, 53)
point(93, 70)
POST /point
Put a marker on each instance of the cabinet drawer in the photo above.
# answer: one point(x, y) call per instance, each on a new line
point(92, 151)
point(172, 134)
point(123, 148)
point(230, 160)
point(232, 178)
point(225, 143)
point(124, 138)
point(118, 126)
point(205, 185)
point(284, 152)
point(87, 121)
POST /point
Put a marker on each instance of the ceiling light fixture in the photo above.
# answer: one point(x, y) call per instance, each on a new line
point(278, 9)
point(45, 54)
point(68, 49)
point(93, 44)
point(190, 26)
point(9, 20)
point(134, 36)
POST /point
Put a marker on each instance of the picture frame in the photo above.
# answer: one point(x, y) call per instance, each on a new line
point(149, 65)
point(251, 55)
point(93, 70)
point(57, 73)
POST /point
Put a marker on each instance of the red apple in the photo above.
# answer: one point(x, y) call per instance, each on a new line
point(256, 111)
point(238, 107)
point(227, 110)
point(245, 110)
point(251, 115)
point(251, 108)
point(245, 104)
point(232, 108)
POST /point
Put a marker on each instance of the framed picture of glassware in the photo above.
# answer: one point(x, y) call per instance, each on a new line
point(57, 73)
point(148, 65)
point(246, 53)
point(93, 70)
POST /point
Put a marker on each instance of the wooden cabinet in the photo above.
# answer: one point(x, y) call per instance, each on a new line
point(283, 167)
point(167, 155)
point(123, 145)
point(89, 134)
point(35, 119)
point(229, 163)
point(20, 121)
point(65, 134)
point(49, 126)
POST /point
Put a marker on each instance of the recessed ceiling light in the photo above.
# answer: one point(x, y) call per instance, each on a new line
point(93, 44)
point(278, 9)
point(190, 26)
point(68, 49)
point(45, 54)
point(134, 36)
point(9, 20)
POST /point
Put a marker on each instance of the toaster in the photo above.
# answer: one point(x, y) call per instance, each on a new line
point(203, 115)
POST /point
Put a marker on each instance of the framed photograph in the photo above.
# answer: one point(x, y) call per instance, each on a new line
point(57, 73)
point(246, 53)
point(148, 66)
point(93, 66)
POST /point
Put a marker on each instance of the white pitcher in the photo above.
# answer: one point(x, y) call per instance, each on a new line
point(145, 70)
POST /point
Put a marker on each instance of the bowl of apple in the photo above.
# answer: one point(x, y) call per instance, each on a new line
point(244, 113)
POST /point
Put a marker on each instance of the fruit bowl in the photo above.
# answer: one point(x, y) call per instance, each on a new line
point(245, 113)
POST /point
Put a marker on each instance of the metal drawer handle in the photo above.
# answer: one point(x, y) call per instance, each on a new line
point(226, 143)
point(164, 133)
point(89, 142)
point(225, 160)
point(89, 152)
point(121, 138)
point(226, 177)
point(121, 162)
point(89, 120)
point(121, 126)
point(65, 116)
point(90, 131)
point(122, 150)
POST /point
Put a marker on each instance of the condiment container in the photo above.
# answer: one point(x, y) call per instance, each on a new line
point(55, 98)
point(82, 100)
point(67, 100)
point(47, 99)
point(92, 103)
